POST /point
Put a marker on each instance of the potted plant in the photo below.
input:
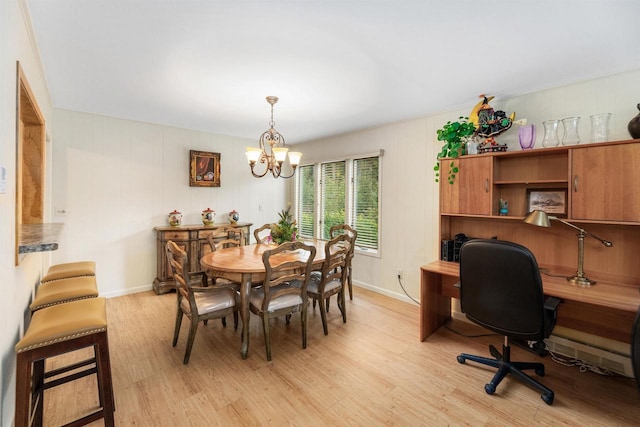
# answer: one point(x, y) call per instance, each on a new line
point(455, 136)
point(285, 230)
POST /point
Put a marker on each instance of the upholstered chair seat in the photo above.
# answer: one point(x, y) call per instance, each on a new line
point(64, 290)
point(70, 269)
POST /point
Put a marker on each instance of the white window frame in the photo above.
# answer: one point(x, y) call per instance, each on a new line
point(349, 182)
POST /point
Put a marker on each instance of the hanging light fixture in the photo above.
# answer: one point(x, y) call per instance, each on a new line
point(273, 157)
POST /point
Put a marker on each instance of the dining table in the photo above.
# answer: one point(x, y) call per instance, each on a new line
point(243, 264)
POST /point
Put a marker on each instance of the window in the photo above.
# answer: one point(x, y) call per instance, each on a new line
point(339, 192)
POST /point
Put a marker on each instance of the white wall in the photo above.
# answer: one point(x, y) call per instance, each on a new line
point(409, 203)
point(117, 179)
point(16, 44)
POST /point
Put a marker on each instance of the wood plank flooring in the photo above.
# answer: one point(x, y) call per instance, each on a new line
point(371, 371)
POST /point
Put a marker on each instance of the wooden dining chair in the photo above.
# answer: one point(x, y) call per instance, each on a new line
point(353, 235)
point(195, 300)
point(260, 235)
point(221, 238)
point(332, 279)
point(284, 291)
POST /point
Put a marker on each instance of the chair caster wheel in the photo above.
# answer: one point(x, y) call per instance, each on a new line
point(461, 359)
point(540, 372)
point(547, 398)
point(490, 388)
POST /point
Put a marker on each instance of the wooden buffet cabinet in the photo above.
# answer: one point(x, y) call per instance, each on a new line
point(600, 181)
point(191, 238)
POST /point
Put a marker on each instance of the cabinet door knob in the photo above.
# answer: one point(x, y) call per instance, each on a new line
point(575, 184)
point(486, 185)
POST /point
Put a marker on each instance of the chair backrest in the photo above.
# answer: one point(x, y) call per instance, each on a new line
point(350, 232)
point(635, 348)
point(259, 234)
point(336, 260)
point(287, 263)
point(226, 237)
point(179, 264)
point(501, 289)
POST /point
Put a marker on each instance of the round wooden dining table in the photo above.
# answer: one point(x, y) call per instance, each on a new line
point(244, 265)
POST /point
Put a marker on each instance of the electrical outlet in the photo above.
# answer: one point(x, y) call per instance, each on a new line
point(399, 274)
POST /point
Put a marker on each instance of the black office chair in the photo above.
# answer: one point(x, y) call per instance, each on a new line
point(635, 348)
point(501, 290)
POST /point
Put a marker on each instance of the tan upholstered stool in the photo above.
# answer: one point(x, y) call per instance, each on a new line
point(64, 290)
point(70, 269)
point(57, 330)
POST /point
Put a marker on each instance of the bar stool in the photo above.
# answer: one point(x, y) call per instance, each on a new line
point(64, 290)
point(70, 269)
point(54, 331)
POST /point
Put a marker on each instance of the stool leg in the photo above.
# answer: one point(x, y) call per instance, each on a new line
point(104, 379)
point(98, 378)
point(23, 390)
point(37, 392)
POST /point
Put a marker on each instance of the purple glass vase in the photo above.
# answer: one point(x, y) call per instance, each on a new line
point(527, 136)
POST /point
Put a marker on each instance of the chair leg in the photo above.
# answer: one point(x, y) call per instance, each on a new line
point(37, 402)
point(323, 315)
point(105, 381)
point(176, 330)
point(192, 336)
point(267, 335)
point(224, 322)
point(350, 283)
point(303, 322)
point(342, 305)
point(235, 320)
point(503, 362)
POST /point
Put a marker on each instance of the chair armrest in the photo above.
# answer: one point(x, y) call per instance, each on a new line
point(200, 276)
point(552, 303)
point(551, 314)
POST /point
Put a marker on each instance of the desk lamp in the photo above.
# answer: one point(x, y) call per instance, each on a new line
point(541, 219)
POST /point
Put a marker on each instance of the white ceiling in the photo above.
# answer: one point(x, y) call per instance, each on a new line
point(337, 66)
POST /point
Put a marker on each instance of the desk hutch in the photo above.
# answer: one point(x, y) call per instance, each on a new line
point(602, 196)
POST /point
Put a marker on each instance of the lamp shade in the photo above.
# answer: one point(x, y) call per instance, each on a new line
point(294, 157)
point(280, 153)
point(253, 154)
point(539, 218)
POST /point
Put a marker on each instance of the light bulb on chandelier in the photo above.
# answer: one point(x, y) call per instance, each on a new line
point(272, 151)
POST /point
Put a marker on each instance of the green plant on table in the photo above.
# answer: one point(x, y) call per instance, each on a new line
point(286, 229)
point(455, 136)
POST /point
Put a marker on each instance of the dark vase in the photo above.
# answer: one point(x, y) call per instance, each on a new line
point(634, 126)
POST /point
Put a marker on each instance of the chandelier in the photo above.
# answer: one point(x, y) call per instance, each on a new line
point(275, 154)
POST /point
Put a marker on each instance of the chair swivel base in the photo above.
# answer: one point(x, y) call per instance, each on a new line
point(506, 366)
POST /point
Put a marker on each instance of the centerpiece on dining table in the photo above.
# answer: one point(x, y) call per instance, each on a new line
point(285, 230)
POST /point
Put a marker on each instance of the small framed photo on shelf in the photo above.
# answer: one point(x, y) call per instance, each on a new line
point(549, 200)
point(204, 169)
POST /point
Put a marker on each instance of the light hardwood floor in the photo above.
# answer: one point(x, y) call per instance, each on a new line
point(371, 371)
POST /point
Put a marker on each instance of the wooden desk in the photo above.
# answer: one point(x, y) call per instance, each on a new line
point(244, 265)
point(605, 309)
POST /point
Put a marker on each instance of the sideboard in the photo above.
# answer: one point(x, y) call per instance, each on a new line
point(193, 240)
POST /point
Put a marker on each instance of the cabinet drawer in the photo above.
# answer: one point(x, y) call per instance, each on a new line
point(175, 235)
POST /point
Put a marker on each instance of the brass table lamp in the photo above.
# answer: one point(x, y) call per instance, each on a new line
point(542, 219)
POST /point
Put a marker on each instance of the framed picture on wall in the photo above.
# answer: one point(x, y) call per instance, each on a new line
point(549, 200)
point(204, 169)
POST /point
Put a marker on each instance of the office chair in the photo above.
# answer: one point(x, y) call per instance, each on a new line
point(501, 290)
point(635, 348)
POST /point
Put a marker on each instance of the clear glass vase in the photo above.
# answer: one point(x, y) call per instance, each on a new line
point(600, 127)
point(550, 133)
point(571, 136)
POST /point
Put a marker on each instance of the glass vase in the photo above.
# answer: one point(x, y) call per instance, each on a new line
point(550, 133)
point(600, 127)
point(571, 136)
point(527, 136)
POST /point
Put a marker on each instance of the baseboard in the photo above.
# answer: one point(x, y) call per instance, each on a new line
point(386, 292)
point(127, 291)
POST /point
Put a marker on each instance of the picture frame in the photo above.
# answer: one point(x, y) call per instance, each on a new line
point(550, 200)
point(204, 169)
